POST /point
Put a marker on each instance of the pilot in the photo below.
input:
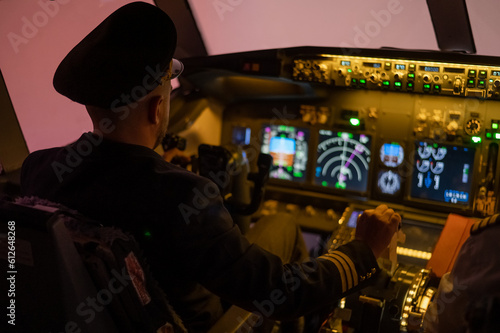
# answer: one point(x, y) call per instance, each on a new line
point(121, 72)
point(474, 277)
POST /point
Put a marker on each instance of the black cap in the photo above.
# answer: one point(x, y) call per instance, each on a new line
point(122, 59)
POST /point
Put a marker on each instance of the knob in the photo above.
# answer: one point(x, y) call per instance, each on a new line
point(422, 117)
point(341, 72)
point(427, 78)
point(496, 83)
point(452, 126)
point(457, 86)
point(398, 76)
point(310, 211)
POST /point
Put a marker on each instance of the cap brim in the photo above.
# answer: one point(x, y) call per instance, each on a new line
point(177, 68)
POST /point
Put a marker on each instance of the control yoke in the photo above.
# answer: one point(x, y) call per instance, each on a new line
point(230, 171)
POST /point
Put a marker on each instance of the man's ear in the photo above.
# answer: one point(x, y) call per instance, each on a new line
point(154, 110)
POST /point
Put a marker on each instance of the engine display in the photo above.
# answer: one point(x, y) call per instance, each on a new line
point(343, 160)
point(288, 146)
point(443, 173)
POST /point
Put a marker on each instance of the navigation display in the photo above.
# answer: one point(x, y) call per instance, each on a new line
point(442, 173)
point(288, 146)
point(343, 160)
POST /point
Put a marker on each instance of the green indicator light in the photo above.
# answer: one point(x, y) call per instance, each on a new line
point(411, 75)
point(481, 82)
point(476, 139)
point(497, 136)
point(297, 174)
point(437, 87)
point(283, 136)
point(289, 169)
point(494, 125)
point(354, 121)
point(362, 81)
point(324, 183)
point(491, 80)
point(397, 84)
point(282, 128)
point(341, 185)
point(147, 234)
point(472, 71)
point(488, 135)
point(471, 81)
point(349, 70)
point(350, 135)
point(410, 84)
point(435, 145)
point(427, 86)
point(386, 83)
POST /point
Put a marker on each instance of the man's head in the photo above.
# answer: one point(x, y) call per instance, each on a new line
point(125, 62)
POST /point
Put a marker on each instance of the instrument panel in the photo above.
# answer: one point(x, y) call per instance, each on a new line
point(375, 132)
point(406, 75)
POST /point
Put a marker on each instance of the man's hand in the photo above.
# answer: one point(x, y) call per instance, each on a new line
point(376, 227)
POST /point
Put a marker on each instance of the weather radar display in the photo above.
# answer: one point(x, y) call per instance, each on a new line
point(343, 160)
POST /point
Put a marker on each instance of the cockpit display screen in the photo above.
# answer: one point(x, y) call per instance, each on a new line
point(288, 145)
point(343, 160)
point(443, 173)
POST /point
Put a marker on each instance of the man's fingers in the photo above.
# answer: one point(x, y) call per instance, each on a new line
point(381, 209)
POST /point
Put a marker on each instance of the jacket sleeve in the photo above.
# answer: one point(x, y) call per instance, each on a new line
point(224, 261)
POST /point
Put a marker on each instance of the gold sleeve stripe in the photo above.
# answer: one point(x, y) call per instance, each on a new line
point(481, 224)
point(493, 219)
point(345, 266)
point(354, 273)
point(340, 269)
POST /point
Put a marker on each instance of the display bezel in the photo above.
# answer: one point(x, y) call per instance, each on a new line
point(450, 207)
point(332, 189)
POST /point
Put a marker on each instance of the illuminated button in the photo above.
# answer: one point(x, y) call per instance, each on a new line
point(386, 84)
point(354, 82)
point(427, 87)
point(494, 124)
point(411, 67)
point(471, 83)
point(387, 66)
point(489, 135)
point(476, 139)
point(497, 136)
point(354, 121)
point(349, 70)
point(410, 86)
point(482, 74)
point(362, 82)
point(481, 84)
point(472, 73)
point(398, 85)
point(411, 76)
point(437, 88)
